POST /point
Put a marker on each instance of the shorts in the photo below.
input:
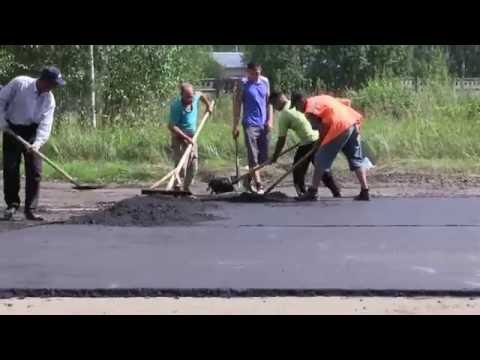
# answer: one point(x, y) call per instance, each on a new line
point(257, 141)
point(349, 143)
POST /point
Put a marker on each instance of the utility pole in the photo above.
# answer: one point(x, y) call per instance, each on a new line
point(92, 78)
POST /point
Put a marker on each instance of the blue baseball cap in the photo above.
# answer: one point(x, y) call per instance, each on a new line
point(53, 74)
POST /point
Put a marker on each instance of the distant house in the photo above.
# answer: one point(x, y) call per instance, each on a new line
point(232, 68)
point(232, 64)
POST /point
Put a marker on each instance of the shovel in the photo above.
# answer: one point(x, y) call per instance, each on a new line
point(225, 184)
point(77, 185)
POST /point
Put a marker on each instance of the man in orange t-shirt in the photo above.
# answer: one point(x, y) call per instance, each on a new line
point(339, 126)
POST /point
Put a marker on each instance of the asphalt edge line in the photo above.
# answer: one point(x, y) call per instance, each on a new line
point(230, 293)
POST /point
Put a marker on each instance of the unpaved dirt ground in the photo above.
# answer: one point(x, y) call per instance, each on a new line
point(122, 205)
point(241, 306)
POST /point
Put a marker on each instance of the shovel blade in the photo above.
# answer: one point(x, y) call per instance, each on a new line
point(88, 187)
point(221, 185)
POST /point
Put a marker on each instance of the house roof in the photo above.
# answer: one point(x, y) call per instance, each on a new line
point(229, 60)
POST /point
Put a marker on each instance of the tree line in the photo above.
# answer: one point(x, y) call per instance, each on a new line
point(130, 78)
point(351, 66)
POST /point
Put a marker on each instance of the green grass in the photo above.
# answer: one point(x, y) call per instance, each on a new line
point(118, 172)
point(434, 124)
point(434, 130)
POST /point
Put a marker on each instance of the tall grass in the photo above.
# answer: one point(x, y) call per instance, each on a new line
point(146, 140)
point(435, 122)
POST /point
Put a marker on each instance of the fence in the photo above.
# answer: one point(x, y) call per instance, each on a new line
point(217, 87)
point(469, 85)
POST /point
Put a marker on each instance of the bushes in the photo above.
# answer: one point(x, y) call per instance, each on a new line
point(434, 122)
point(388, 97)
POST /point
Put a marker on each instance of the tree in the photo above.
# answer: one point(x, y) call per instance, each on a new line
point(464, 60)
point(284, 65)
point(130, 78)
point(6, 60)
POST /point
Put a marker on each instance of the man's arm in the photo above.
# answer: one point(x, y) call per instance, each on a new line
point(279, 147)
point(204, 99)
point(270, 117)
point(44, 128)
point(284, 123)
point(323, 130)
point(237, 109)
point(176, 131)
point(269, 108)
point(6, 96)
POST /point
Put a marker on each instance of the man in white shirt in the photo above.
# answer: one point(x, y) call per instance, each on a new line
point(27, 106)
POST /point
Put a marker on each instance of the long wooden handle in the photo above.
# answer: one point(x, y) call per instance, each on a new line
point(237, 165)
point(162, 180)
point(185, 156)
point(202, 123)
point(261, 166)
point(38, 153)
point(299, 162)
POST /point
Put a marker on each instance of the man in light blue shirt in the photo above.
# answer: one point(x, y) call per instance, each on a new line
point(183, 125)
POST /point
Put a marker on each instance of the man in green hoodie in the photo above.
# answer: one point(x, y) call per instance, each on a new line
point(291, 119)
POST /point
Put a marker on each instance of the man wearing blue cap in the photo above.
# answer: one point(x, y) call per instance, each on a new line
point(27, 106)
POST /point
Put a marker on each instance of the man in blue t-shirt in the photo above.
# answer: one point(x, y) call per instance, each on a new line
point(183, 125)
point(252, 95)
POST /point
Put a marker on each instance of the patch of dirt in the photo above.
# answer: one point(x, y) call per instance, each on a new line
point(148, 211)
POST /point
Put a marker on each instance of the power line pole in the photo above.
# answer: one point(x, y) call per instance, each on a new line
point(92, 78)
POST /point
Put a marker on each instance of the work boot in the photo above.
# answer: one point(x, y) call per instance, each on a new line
point(310, 195)
point(30, 215)
point(9, 212)
point(331, 184)
point(363, 196)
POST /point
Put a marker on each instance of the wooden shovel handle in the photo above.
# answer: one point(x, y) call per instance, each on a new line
point(261, 166)
point(38, 153)
point(299, 162)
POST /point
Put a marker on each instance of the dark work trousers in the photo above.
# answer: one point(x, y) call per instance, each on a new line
point(12, 156)
point(300, 172)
